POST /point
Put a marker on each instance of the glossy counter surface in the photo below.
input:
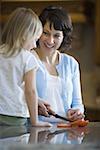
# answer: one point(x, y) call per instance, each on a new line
point(48, 138)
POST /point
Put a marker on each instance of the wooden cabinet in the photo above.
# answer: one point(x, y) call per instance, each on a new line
point(97, 30)
point(74, 7)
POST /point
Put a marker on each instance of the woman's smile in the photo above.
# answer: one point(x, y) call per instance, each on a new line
point(51, 39)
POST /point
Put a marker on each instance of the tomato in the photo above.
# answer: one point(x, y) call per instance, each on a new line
point(63, 125)
point(80, 123)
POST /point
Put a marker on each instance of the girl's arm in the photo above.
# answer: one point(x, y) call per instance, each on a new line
point(31, 96)
point(32, 99)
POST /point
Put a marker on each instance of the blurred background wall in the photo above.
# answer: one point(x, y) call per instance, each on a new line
point(85, 46)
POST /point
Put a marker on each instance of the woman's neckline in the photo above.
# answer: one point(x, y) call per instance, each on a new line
point(55, 60)
point(43, 63)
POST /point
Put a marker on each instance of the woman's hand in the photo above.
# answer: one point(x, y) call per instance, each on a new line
point(42, 108)
point(74, 114)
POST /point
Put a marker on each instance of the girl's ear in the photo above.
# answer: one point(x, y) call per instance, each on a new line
point(22, 41)
point(23, 38)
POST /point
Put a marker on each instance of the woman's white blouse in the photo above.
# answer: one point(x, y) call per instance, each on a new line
point(68, 85)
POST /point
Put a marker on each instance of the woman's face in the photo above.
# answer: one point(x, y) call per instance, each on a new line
point(50, 40)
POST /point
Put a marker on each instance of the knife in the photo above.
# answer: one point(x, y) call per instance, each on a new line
point(58, 116)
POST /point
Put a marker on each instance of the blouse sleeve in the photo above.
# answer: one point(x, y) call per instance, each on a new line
point(77, 96)
point(31, 63)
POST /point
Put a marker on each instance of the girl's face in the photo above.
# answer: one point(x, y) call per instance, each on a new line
point(31, 42)
point(50, 40)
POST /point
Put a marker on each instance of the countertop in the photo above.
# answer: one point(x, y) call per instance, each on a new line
point(53, 138)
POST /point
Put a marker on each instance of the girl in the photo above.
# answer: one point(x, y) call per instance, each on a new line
point(17, 69)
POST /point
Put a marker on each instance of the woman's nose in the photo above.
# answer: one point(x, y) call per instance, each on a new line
point(50, 39)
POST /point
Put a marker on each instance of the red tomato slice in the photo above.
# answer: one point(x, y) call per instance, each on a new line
point(63, 125)
point(80, 123)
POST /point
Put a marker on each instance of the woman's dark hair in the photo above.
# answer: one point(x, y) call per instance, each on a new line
point(60, 20)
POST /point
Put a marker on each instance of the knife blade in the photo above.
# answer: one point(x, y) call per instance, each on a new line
point(58, 116)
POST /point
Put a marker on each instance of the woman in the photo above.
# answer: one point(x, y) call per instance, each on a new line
point(58, 77)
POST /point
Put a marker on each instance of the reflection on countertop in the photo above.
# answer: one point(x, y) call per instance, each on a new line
point(10, 135)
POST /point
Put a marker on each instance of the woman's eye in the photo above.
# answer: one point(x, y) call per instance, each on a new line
point(57, 36)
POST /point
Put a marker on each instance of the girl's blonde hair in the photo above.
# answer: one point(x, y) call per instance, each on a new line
point(22, 24)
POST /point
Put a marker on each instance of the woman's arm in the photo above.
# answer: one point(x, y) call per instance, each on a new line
point(77, 108)
point(77, 93)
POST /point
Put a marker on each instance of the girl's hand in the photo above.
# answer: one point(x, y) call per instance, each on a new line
point(42, 124)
